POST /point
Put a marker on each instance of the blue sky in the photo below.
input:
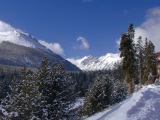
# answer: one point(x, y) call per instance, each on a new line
point(80, 27)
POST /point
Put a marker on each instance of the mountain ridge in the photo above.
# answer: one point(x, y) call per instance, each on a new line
point(90, 63)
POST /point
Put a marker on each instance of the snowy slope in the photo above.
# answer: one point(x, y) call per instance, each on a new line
point(10, 34)
point(96, 63)
point(142, 105)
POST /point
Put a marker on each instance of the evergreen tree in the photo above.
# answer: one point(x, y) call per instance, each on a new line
point(43, 74)
point(57, 89)
point(25, 101)
point(149, 62)
point(127, 49)
point(119, 91)
point(140, 59)
point(146, 70)
point(98, 96)
point(4, 83)
point(6, 77)
point(65, 90)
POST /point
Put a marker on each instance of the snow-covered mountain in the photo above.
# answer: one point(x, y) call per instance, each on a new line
point(96, 63)
point(19, 49)
point(141, 105)
point(16, 36)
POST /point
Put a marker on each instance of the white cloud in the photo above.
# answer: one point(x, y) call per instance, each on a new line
point(75, 61)
point(54, 47)
point(83, 43)
point(150, 28)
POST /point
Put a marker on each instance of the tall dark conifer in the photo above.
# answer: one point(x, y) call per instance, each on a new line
point(127, 49)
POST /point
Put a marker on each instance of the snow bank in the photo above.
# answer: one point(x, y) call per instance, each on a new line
point(141, 105)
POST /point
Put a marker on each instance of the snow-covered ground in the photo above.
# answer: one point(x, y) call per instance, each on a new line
point(141, 105)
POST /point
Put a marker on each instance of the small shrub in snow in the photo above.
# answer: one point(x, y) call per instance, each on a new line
point(157, 82)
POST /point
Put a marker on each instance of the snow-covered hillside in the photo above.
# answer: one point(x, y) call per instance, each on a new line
point(16, 36)
point(96, 63)
point(142, 105)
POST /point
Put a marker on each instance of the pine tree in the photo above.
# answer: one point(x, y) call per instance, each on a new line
point(5, 81)
point(127, 49)
point(98, 96)
point(57, 89)
point(65, 92)
point(140, 59)
point(43, 74)
point(149, 62)
point(25, 101)
point(119, 91)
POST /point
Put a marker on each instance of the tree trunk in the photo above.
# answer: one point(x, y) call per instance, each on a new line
point(131, 86)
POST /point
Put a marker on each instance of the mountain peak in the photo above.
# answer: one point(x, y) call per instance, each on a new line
point(4, 27)
point(96, 63)
point(16, 36)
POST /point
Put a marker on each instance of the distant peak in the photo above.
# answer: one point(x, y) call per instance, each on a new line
point(7, 28)
point(4, 27)
point(112, 55)
point(87, 57)
point(96, 63)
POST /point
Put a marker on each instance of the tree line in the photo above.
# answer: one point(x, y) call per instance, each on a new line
point(50, 91)
point(44, 94)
